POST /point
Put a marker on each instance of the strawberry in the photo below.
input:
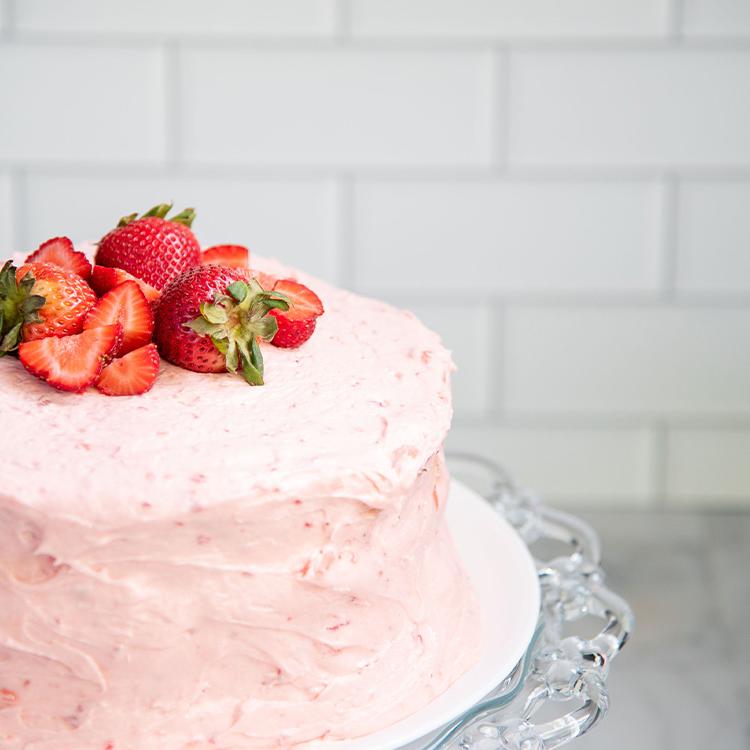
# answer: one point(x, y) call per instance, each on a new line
point(39, 300)
point(60, 252)
point(126, 305)
point(152, 248)
point(70, 363)
point(264, 279)
point(210, 319)
point(296, 324)
point(104, 278)
point(232, 256)
point(132, 374)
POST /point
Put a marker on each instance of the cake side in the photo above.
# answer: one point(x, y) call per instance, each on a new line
point(262, 625)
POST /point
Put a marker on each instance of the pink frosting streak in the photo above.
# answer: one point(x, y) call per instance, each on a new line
point(212, 566)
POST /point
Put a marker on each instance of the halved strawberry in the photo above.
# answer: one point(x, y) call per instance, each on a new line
point(296, 324)
point(104, 278)
point(70, 363)
point(264, 279)
point(232, 256)
point(60, 252)
point(127, 305)
point(132, 374)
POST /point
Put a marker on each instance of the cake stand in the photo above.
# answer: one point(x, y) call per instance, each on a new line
point(562, 674)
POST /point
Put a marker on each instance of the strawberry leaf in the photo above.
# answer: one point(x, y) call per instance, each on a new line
point(17, 307)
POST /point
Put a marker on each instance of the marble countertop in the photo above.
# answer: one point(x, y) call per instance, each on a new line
point(684, 679)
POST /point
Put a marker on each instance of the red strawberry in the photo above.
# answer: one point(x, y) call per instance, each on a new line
point(126, 305)
point(296, 324)
point(104, 278)
point(132, 374)
point(153, 248)
point(210, 319)
point(67, 299)
point(60, 252)
point(264, 279)
point(233, 256)
point(70, 363)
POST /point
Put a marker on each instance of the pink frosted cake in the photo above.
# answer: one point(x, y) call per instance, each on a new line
point(214, 566)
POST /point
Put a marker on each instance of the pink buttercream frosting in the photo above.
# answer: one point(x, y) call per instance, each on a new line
point(219, 567)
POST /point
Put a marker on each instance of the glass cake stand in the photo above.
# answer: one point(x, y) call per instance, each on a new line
point(557, 691)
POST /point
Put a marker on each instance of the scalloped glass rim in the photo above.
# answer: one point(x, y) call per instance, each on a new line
point(510, 604)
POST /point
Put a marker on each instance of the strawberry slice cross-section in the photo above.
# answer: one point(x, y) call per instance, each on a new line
point(127, 305)
point(131, 375)
point(232, 256)
point(104, 278)
point(70, 363)
point(60, 252)
point(296, 324)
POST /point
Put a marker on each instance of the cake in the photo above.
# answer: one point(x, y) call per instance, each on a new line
point(213, 566)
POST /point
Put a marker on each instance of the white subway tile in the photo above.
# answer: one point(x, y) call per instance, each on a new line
point(465, 330)
point(294, 221)
point(67, 103)
point(709, 465)
point(508, 18)
point(615, 360)
point(500, 236)
point(633, 107)
point(6, 217)
point(716, 18)
point(178, 18)
point(330, 107)
point(570, 466)
point(714, 237)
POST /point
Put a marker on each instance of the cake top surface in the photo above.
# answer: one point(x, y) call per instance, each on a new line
point(356, 411)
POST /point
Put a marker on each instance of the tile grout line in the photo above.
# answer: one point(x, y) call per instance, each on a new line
point(659, 469)
point(19, 202)
point(345, 236)
point(675, 18)
point(172, 79)
point(497, 396)
point(669, 238)
point(402, 173)
point(500, 108)
point(342, 31)
point(9, 15)
point(602, 44)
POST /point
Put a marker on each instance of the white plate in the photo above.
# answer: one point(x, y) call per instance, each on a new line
point(506, 581)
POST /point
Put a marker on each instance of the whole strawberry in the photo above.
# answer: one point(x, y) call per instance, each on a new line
point(210, 319)
point(152, 248)
point(40, 300)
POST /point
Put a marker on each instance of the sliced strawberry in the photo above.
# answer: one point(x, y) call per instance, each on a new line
point(70, 363)
point(296, 324)
point(264, 279)
point(232, 256)
point(103, 279)
point(127, 305)
point(60, 252)
point(303, 302)
point(131, 375)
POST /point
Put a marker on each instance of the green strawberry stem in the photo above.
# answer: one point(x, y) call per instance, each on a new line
point(236, 321)
point(160, 211)
point(186, 217)
point(17, 307)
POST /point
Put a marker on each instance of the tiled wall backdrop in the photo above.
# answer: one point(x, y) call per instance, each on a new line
point(561, 187)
